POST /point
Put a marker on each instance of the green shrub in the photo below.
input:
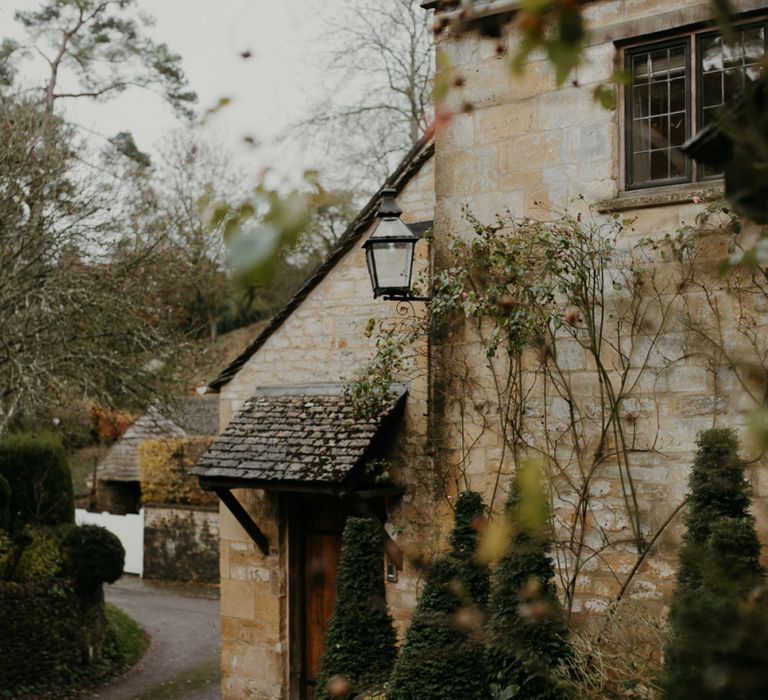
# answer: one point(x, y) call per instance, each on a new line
point(442, 657)
point(93, 556)
point(360, 645)
point(719, 612)
point(40, 556)
point(45, 644)
point(5, 503)
point(7, 555)
point(36, 469)
point(527, 632)
point(41, 630)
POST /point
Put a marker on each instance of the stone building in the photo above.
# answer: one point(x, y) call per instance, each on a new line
point(118, 482)
point(610, 402)
point(180, 538)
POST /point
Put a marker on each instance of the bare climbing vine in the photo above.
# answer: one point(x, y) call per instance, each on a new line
point(553, 340)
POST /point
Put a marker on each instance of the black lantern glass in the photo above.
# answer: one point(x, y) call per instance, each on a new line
point(389, 251)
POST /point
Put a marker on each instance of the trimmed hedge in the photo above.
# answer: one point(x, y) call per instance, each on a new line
point(527, 631)
point(719, 612)
point(360, 645)
point(442, 657)
point(41, 632)
point(37, 471)
point(5, 503)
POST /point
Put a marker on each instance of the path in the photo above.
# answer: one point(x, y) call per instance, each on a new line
point(183, 658)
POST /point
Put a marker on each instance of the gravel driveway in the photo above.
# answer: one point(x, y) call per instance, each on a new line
point(183, 658)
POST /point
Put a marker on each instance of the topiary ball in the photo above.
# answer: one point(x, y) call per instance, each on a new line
point(93, 556)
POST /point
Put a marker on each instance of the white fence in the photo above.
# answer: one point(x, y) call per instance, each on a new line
point(129, 528)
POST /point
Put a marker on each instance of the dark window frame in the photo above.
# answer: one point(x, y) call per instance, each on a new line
point(629, 120)
point(691, 38)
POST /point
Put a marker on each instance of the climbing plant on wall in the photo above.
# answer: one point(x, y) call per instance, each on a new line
point(163, 465)
point(553, 339)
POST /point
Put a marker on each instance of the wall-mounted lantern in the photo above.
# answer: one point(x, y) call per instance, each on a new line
point(389, 252)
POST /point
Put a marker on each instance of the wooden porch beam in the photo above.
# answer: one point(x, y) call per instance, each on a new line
point(243, 517)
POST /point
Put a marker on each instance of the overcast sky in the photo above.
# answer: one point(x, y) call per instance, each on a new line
point(268, 91)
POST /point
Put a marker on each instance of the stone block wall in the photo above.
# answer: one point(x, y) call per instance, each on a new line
point(181, 543)
point(323, 341)
point(530, 149)
point(534, 150)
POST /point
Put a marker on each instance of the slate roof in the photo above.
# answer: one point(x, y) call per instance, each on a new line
point(190, 416)
point(297, 435)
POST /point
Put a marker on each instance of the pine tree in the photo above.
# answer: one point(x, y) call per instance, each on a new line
point(527, 632)
point(361, 643)
point(719, 613)
point(442, 657)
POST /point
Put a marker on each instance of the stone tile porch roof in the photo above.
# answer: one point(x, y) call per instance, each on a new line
point(294, 435)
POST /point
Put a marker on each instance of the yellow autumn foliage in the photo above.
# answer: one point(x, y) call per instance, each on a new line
point(164, 471)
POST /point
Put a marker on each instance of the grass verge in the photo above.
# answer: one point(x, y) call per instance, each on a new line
point(125, 642)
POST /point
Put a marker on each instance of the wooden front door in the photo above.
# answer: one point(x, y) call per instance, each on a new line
point(318, 525)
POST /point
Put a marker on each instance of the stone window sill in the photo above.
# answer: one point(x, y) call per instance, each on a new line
point(662, 196)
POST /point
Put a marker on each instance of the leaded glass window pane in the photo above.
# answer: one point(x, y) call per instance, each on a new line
point(658, 91)
point(665, 78)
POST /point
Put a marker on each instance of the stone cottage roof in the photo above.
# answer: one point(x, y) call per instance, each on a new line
point(420, 154)
point(296, 435)
point(190, 416)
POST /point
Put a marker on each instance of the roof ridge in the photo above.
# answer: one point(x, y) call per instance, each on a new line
point(419, 154)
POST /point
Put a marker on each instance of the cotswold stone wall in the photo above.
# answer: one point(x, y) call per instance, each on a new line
point(323, 341)
point(526, 148)
point(181, 543)
point(533, 150)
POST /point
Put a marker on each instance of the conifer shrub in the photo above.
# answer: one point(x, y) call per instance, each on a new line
point(442, 657)
point(719, 613)
point(40, 634)
point(361, 643)
point(527, 632)
point(40, 481)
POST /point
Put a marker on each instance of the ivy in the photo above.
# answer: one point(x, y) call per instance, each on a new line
point(370, 391)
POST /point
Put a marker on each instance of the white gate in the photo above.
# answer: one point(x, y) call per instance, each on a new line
point(128, 528)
